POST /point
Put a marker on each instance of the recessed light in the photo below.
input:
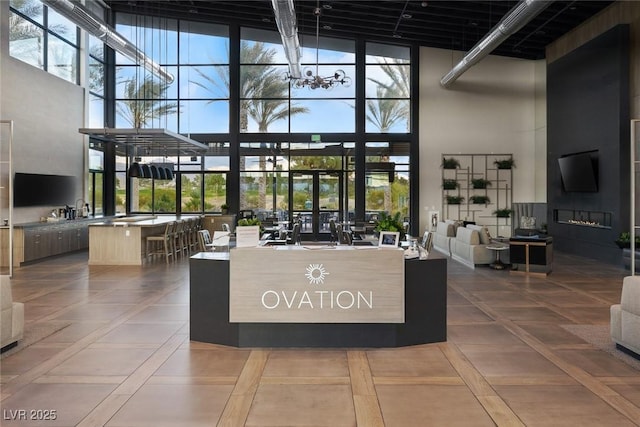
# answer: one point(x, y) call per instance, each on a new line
point(327, 27)
point(266, 19)
point(397, 36)
point(327, 6)
point(407, 15)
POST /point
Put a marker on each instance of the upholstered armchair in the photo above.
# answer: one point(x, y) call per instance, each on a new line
point(625, 317)
point(12, 316)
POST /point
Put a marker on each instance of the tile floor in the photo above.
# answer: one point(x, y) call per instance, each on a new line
point(124, 358)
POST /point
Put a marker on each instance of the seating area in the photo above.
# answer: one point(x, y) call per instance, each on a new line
point(625, 317)
point(12, 316)
point(465, 244)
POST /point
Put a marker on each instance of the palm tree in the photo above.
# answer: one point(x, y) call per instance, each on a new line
point(20, 29)
point(390, 105)
point(96, 73)
point(384, 112)
point(263, 97)
point(144, 102)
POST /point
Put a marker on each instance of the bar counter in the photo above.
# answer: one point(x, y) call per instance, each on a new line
point(122, 241)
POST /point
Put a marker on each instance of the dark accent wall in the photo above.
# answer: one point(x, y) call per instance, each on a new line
point(588, 109)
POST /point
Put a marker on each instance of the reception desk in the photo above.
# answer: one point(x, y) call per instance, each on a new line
point(317, 297)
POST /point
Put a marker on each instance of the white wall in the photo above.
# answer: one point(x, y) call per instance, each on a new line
point(47, 112)
point(495, 107)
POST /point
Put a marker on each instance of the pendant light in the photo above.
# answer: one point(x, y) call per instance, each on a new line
point(146, 171)
point(169, 174)
point(135, 170)
point(154, 172)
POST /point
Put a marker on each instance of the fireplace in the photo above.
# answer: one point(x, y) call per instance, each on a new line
point(582, 218)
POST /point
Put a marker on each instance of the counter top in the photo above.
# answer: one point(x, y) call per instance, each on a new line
point(144, 221)
point(60, 222)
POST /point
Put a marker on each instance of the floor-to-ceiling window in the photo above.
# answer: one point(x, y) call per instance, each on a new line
point(195, 101)
point(290, 138)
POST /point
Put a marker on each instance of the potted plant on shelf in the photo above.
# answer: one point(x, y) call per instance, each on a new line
point(390, 223)
point(224, 208)
point(505, 163)
point(479, 200)
point(502, 213)
point(449, 184)
point(450, 163)
point(454, 200)
point(480, 183)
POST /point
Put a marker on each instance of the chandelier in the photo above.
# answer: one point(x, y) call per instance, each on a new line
point(313, 80)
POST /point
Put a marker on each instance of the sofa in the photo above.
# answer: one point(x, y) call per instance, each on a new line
point(445, 231)
point(469, 247)
point(11, 317)
point(625, 317)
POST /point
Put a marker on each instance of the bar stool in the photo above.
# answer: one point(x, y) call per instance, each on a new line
point(196, 224)
point(178, 239)
point(187, 229)
point(161, 245)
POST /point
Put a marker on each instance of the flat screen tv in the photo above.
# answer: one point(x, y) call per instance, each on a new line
point(579, 172)
point(33, 189)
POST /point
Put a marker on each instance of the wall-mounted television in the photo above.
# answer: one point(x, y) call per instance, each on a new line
point(33, 189)
point(579, 171)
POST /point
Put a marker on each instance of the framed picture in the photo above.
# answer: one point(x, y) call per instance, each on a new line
point(389, 239)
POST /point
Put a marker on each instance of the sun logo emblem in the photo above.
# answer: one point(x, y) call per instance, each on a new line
point(316, 274)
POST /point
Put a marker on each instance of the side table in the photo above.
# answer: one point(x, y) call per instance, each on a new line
point(531, 255)
point(498, 247)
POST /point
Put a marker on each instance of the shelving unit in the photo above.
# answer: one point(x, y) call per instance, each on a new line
point(499, 192)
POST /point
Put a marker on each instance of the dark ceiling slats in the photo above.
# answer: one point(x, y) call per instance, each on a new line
point(442, 23)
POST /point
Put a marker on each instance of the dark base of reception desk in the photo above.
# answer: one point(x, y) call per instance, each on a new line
point(425, 312)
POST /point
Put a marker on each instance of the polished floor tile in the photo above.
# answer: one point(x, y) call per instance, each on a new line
point(482, 334)
point(100, 361)
point(421, 362)
point(122, 357)
point(318, 405)
point(493, 361)
point(95, 312)
point(170, 405)
point(68, 403)
point(466, 314)
point(560, 406)
point(139, 333)
point(431, 405)
point(204, 363)
point(306, 363)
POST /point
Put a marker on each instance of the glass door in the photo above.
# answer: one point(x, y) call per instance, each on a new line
point(316, 199)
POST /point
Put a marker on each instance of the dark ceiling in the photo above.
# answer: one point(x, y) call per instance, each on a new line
point(443, 24)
